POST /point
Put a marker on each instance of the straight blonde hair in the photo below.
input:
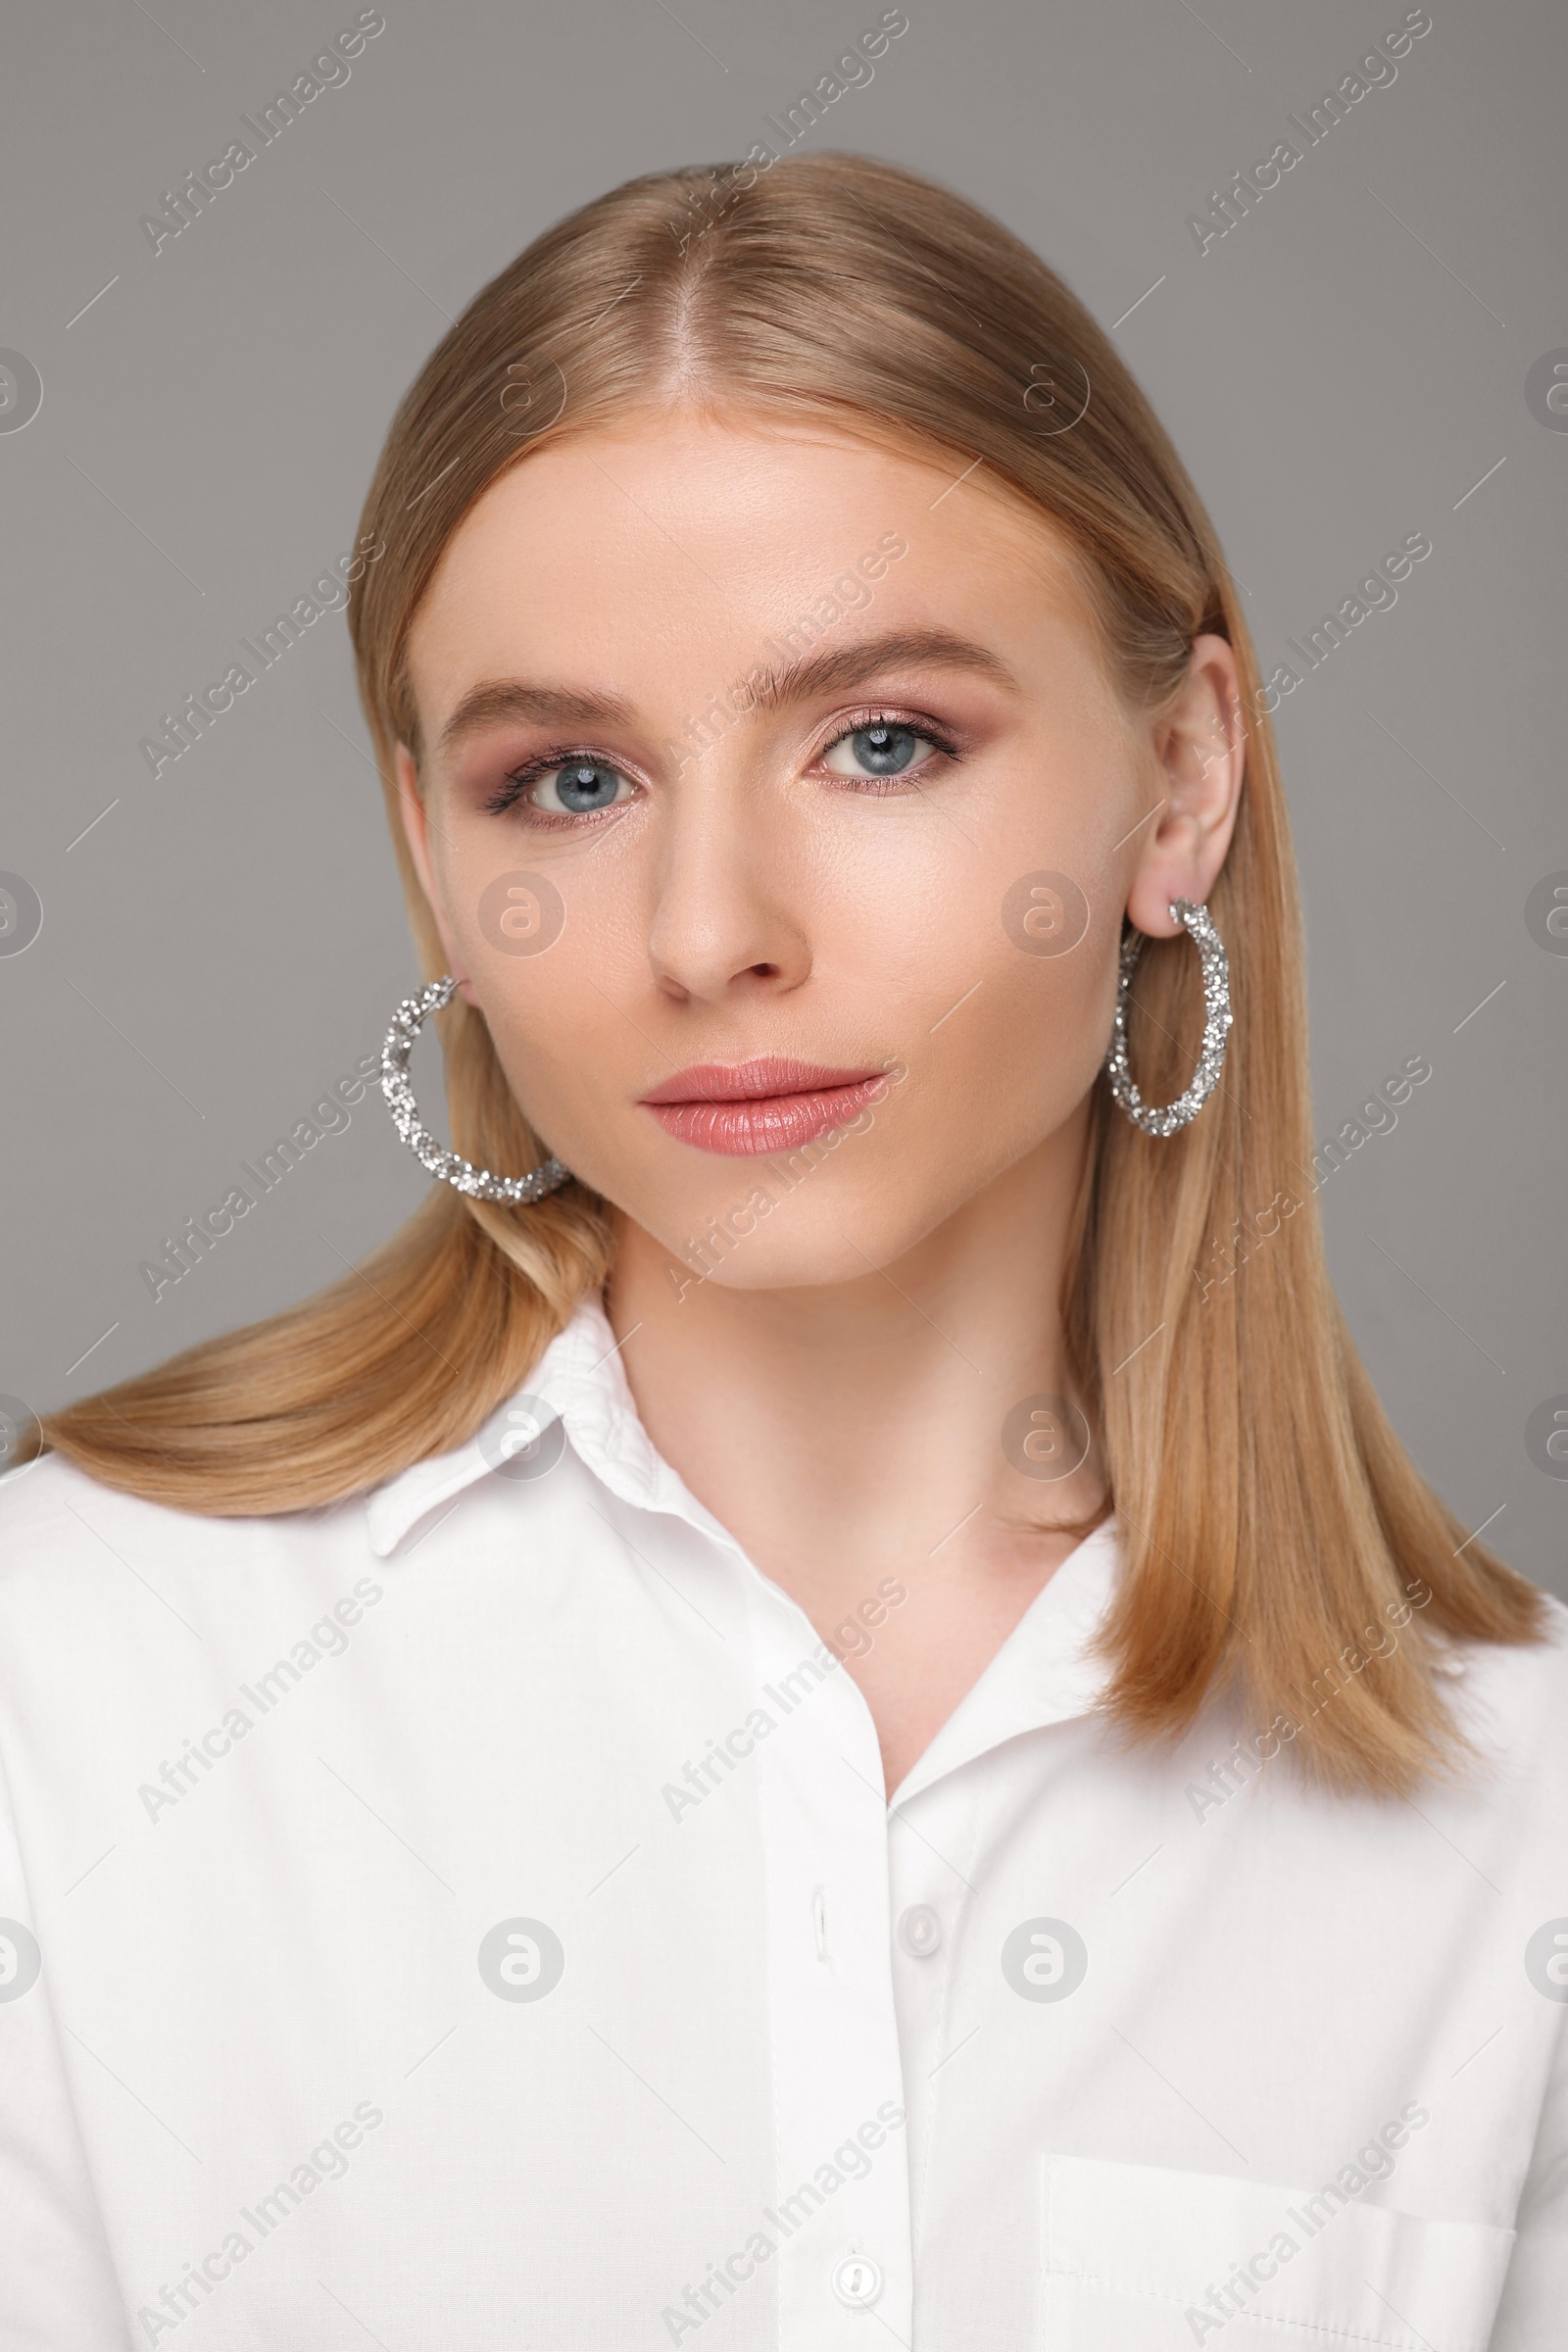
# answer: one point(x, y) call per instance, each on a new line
point(1272, 1523)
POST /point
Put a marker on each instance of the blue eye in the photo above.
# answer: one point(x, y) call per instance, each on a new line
point(578, 788)
point(884, 748)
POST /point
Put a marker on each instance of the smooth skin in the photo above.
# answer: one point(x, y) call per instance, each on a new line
point(834, 1390)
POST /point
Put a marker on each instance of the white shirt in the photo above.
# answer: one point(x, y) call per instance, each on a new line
point(471, 1917)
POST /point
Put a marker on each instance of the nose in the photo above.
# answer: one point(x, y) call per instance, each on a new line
point(728, 915)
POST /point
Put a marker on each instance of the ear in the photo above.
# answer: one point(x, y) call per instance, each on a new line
point(1200, 747)
point(416, 833)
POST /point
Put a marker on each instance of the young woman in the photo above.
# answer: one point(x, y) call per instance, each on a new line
point(819, 1711)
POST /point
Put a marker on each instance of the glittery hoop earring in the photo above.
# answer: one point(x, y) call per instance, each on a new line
point(407, 1022)
point(1217, 1018)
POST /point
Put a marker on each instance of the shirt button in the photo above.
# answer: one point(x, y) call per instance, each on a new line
point(919, 1931)
point(856, 2281)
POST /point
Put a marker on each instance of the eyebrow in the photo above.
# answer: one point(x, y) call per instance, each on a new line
point(829, 671)
point(770, 687)
point(496, 700)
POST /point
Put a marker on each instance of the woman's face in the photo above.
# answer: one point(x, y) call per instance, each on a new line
point(780, 816)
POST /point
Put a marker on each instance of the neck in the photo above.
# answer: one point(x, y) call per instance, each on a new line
point(846, 1427)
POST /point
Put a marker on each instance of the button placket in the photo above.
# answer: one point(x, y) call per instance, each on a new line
point(843, 2178)
point(931, 1849)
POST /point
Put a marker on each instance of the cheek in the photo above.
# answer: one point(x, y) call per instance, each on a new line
point(543, 928)
point(998, 984)
point(1023, 1049)
point(565, 1017)
point(548, 973)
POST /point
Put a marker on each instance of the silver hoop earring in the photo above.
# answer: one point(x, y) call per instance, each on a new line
point(407, 1022)
point(1217, 1018)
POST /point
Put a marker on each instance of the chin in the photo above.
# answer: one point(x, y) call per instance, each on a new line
point(801, 1262)
point(838, 1232)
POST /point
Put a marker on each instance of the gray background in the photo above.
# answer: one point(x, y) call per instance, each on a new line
point(1339, 371)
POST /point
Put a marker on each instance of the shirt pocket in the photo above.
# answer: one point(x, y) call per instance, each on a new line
point(1137, 2258)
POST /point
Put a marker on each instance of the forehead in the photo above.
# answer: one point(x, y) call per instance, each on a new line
point(676, 543)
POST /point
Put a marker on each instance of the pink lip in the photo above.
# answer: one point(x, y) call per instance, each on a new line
point(753, 1108)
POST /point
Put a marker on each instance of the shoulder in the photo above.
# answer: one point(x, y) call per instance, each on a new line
point(117, 1611)
point(50, 1511)
point(1531, 1675)
point(65, 1539)
point(47, 1513)
point(1510, 1700)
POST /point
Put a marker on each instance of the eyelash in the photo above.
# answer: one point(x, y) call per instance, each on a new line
point(512, 791)
point(925, 729)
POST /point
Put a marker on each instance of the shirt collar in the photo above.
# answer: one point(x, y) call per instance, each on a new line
point(578, 1380)
point(1045, 1671)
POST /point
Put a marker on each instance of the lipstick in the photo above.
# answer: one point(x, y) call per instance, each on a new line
point(750, 1108)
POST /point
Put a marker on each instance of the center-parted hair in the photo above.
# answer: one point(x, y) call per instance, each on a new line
point(1275, 1531)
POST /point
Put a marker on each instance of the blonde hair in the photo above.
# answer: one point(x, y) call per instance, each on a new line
point(1271, 1520)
